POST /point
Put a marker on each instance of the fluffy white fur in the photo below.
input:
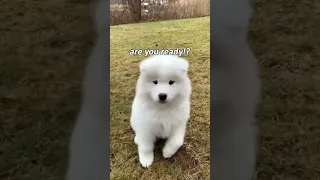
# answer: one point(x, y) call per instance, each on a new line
point(152, 118)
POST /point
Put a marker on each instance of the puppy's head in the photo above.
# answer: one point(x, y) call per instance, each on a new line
point(164, 78)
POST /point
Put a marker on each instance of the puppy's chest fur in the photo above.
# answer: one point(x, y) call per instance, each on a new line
point(159, 122)
point(162, 124)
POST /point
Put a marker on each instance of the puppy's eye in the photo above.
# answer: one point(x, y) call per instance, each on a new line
point(171, 82)
point(155, 82)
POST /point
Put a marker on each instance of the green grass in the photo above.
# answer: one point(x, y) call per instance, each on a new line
point(193, 160)
point(41, 67)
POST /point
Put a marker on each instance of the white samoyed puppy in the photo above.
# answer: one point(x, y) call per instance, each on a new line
point(161, 107)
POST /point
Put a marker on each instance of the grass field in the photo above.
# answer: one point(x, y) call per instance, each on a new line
point(193, 161)
point(44, 46)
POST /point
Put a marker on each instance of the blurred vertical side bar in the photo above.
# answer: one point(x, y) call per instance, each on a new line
point(90, 143)
point(235, 92)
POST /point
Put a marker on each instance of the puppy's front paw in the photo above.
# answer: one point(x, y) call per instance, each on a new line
point(168, 151)
point(146, 159)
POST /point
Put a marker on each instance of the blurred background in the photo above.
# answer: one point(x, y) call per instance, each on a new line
point(44, 48)
point(132, 11)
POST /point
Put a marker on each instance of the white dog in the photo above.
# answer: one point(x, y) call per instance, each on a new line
point(161, 107)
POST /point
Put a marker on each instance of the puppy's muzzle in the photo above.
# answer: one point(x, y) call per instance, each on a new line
point(162, 97)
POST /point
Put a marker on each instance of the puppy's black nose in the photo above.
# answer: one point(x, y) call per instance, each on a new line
point(162, 97)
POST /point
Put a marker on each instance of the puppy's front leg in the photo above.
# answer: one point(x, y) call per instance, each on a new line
point(174, 142)
point(145, 148)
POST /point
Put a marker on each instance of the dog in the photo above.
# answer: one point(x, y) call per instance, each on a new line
point(161, 106)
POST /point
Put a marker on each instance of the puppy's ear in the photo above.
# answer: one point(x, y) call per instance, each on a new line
point(145, 64)
point(142, 66)
point(184, 66)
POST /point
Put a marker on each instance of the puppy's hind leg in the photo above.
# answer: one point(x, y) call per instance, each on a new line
point(145, 148)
